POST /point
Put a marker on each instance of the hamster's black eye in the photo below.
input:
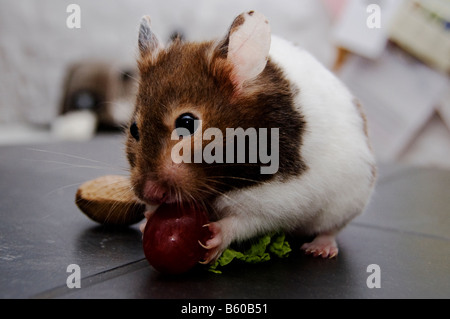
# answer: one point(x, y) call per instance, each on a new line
point(134, 131)
point(186, 124)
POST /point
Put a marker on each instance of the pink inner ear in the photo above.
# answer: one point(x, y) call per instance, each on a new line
point(249, 47)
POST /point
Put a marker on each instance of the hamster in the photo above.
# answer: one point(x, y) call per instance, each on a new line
point(325, 171)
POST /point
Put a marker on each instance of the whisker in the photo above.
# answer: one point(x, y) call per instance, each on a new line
point(62, 188)
point(137, 79)
point(236, 178)
point(68, 155)
point(66, 164)
point(226, 196)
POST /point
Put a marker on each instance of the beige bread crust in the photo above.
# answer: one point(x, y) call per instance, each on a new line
point(110, 200)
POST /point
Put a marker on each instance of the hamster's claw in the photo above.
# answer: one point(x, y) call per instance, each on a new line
point(204, 246)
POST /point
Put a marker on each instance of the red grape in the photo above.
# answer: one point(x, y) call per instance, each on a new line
point(171, 238)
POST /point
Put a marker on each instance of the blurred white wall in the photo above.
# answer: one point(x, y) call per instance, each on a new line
point(36, 46)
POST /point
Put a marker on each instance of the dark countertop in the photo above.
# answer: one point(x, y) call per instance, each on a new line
point(405, 231)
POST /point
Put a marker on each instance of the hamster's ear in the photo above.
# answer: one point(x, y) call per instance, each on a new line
point(148, 41)
point(247, 46)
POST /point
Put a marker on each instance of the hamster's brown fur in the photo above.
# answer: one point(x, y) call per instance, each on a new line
point(195, 77)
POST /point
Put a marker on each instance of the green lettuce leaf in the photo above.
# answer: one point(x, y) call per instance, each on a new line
point(255, 251)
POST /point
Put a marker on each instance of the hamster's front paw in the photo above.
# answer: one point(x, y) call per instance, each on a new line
point(216, 244)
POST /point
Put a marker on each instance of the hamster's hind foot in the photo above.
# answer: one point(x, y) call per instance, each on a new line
point(323, 245)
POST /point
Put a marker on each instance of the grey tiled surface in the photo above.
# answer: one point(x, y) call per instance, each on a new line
point(405, 230)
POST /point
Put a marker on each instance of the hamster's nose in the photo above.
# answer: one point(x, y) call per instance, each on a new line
point(154, 194)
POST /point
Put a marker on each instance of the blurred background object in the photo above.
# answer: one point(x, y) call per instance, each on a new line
point(400, 71)
point(102, 89)
point(37, 48)
point(395, 61)
point(422, 28)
